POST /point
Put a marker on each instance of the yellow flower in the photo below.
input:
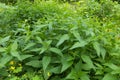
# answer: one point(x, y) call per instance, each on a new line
point(12, 68)
point(48, 74)
point(12, 63)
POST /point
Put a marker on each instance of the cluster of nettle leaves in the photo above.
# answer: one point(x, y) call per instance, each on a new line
point(60, 41)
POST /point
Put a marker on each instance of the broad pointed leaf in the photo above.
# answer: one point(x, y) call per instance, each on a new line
point(57, 51)
point(109, 77)
point(14, 51)
point(25, 56)
point(79, 44)
point(77, 36)
point(34, 63)
point(45, 62)
point(29, 45)
point(4, 39)
point(87, 60)
point(97, 47)
point(62, 39)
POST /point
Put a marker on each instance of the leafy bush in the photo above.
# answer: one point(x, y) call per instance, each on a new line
point(50, 40)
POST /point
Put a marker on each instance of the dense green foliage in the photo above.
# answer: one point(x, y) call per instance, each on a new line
point(48, 40)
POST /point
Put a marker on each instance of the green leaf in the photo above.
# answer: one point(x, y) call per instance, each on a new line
point(17, 70)
point(72, 75)
point(109, 77)
point(65, 64)
point(39, 39)
point(62, 39)
point(79, 44)
point(46, 45)
point(45, 62)
point(34, 63)
point(3, 40)
point(5, 60)
point(57, 51)
point(77, 35)
point(97, 47)
point(3, 72)
point(56, 70)
point(103, 53)
point(14, 51)
point(14, 46)
point(2, 49)
point(36, 78)
point(85, 77)
point(112, 66)
point(25, 56)
point(87, 60)
point(28, 46)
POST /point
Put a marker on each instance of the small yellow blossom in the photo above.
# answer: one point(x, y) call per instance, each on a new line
point(12, 68)
point(48, 74)
point(12, 63)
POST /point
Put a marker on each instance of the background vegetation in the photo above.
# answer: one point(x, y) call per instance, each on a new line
point(55, 40)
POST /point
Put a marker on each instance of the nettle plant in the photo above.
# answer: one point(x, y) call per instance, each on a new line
point(46, 40)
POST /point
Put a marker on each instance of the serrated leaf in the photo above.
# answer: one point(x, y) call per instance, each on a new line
point(109, 77)
point(28, 46)
point(57, 51)
point(97, 47)
point(45, 62)
point(34, 63)
point(79, 44)
point(62, 39)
